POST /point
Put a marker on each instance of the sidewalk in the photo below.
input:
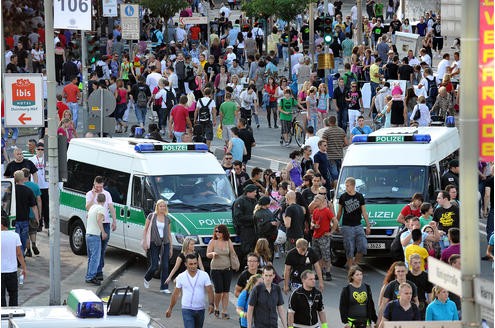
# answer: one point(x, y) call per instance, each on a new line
point(36, 288)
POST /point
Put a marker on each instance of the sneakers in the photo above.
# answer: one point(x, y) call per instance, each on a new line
point(165, 291)
point(146, 284)
point(94, 281)
point(28, 253)
point(99, 277)
point(327, 276)
point(36, 251)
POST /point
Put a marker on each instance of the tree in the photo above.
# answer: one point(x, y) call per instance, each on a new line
point(165, 8)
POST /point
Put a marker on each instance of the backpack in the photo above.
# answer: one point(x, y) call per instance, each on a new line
point(417, 115)
point(99, 70)
point(349, 79)
point(432, 90)
point(396, 249)
point(204, 111)
point(154, 37)
point(171, 101)
point(142, 100)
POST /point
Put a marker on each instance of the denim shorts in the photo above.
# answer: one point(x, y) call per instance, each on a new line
point(354, 240)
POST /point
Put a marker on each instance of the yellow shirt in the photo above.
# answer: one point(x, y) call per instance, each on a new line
point(374, 69)
point(416, 249)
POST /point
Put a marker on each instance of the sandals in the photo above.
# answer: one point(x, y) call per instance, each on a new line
point(225, 316)
point(217, 314)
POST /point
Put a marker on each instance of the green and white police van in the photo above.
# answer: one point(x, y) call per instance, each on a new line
point(138, 172)
point(390, 165)
point(8, 201)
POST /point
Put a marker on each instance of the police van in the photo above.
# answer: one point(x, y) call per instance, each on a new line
point(390, 165)
point(138, 172)
point(8, 201)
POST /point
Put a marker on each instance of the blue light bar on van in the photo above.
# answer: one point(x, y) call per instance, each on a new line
point(85, 304)
point(419, 138)
point(169, 148)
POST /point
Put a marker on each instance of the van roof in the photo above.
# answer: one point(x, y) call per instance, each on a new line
point(119, 154)
point(444, 140)
point(61, 316)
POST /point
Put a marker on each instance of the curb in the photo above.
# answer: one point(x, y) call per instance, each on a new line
point(106, 282)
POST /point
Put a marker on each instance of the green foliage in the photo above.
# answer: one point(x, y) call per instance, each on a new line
point(165, 8)
point(289, 9)
point(285, 9)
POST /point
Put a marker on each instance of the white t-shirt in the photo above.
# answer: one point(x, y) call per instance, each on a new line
point(92, 224)
point(108, 201)
point(204, 101)
point(193, 289)
point(442, 69)
point(163, 94)
point(331, 9)
point(247, 100)
point(313, 143)
point(152, 80)
point(10, 241)
point(39, 162)
point(225, 10)
point(354, 14)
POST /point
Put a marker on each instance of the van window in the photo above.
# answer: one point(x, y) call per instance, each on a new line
point(80, 177)
point(137, 199)
point(195, 192)
point(433, 184)
point(387, 184)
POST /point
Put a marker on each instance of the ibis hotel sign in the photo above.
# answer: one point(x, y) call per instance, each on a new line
point(23, 100)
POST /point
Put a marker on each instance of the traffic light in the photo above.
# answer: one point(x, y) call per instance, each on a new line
point(327, 30)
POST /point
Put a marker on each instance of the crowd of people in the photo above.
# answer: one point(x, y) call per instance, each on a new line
point(191, 83)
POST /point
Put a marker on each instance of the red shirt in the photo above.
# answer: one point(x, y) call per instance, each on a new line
point(71, 91)
point(271, 91)
point(9, 40)
point(323, 217)
point(41, 32)
point(179, 114)
point(61, 108)
point(195, 30)
point(407, 210)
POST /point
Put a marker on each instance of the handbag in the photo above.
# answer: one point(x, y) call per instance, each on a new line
point(417, 115)
point(234, 261)
point(145, 242)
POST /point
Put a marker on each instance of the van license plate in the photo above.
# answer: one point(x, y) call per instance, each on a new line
point(376, 245)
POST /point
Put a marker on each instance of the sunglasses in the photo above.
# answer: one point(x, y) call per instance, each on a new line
point(322, 193)
point(217, 230)
point(40, 149)
point(228, 158)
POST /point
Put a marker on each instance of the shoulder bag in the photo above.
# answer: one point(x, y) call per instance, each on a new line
point(234, 260)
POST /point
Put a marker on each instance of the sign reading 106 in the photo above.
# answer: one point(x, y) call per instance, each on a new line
point(72, 14)
point(74, 5)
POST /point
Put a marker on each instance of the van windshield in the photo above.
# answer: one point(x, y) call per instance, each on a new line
point(195, 192)
point(385, 184)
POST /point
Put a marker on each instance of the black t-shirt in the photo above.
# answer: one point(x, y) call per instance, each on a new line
point(24, 198)
point(446, 218)
point(395, 25)
point(21, 57)
point(285, 39)
point(377, 32)
point(306, 164)
point(405, 72)
point(305, 32)
point(322, 160)
point(299, 263)
point(392, 70)
point(140, 87)
point(244, 277)
point(392, 290)
point(306, 304)
point(248, 138)
point(241, 179)
point(354, 102)
point(12, 68)
point(296, 213)
point(449, 177)
point(489, 184)
point(423, 285)
point(308, 196)
point(211, 69)
point(15, 166)
point(351, 206)
point(336, 49)
point(394, 312)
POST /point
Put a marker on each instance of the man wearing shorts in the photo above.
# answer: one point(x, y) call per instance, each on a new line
point(324, 224)
point(437, 37)
point(352, 209)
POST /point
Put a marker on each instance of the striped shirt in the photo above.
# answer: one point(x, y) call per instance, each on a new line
point(334, 136)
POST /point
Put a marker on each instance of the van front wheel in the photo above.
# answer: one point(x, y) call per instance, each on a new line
point(77, 238)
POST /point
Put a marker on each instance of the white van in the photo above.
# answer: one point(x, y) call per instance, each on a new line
point(389, 166)
point(138, 172)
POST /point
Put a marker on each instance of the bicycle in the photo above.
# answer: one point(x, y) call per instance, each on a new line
point(297, 131)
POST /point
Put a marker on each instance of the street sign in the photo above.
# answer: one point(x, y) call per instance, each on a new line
point(23, 100)
point(422, 324)
point(483, 295)
point(72, 14)
point(110, 8)
point(105, 99)
point(129, 15)
point(193, 20)
point(444, 275)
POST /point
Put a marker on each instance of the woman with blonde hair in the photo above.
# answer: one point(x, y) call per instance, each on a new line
point(323, 102)
point(158, 244)
point(442, 308)
point(180, 263)
point(242, 301)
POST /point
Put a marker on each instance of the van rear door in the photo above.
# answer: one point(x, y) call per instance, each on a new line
point(8, 201)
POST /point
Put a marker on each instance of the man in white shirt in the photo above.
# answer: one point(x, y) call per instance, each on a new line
point(109, 222)
point(180, 34)
point(192, 284)
point(153, 78)
point(442, 67)
point(425, 57)
point(224, 9)
point(412, 61)
point(331, 9)
point(312, 141)
point(11, 253)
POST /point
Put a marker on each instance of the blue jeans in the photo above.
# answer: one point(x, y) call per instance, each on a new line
point(22, 228)
point(334, 168)
point(193, 318)
point(104, 243)
point(140, 114)
point(93, 246)
point(373, 86)
point(313, 121)
point(74, 108)
point(178, 136)
point(157, 253)
point(343, 119)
